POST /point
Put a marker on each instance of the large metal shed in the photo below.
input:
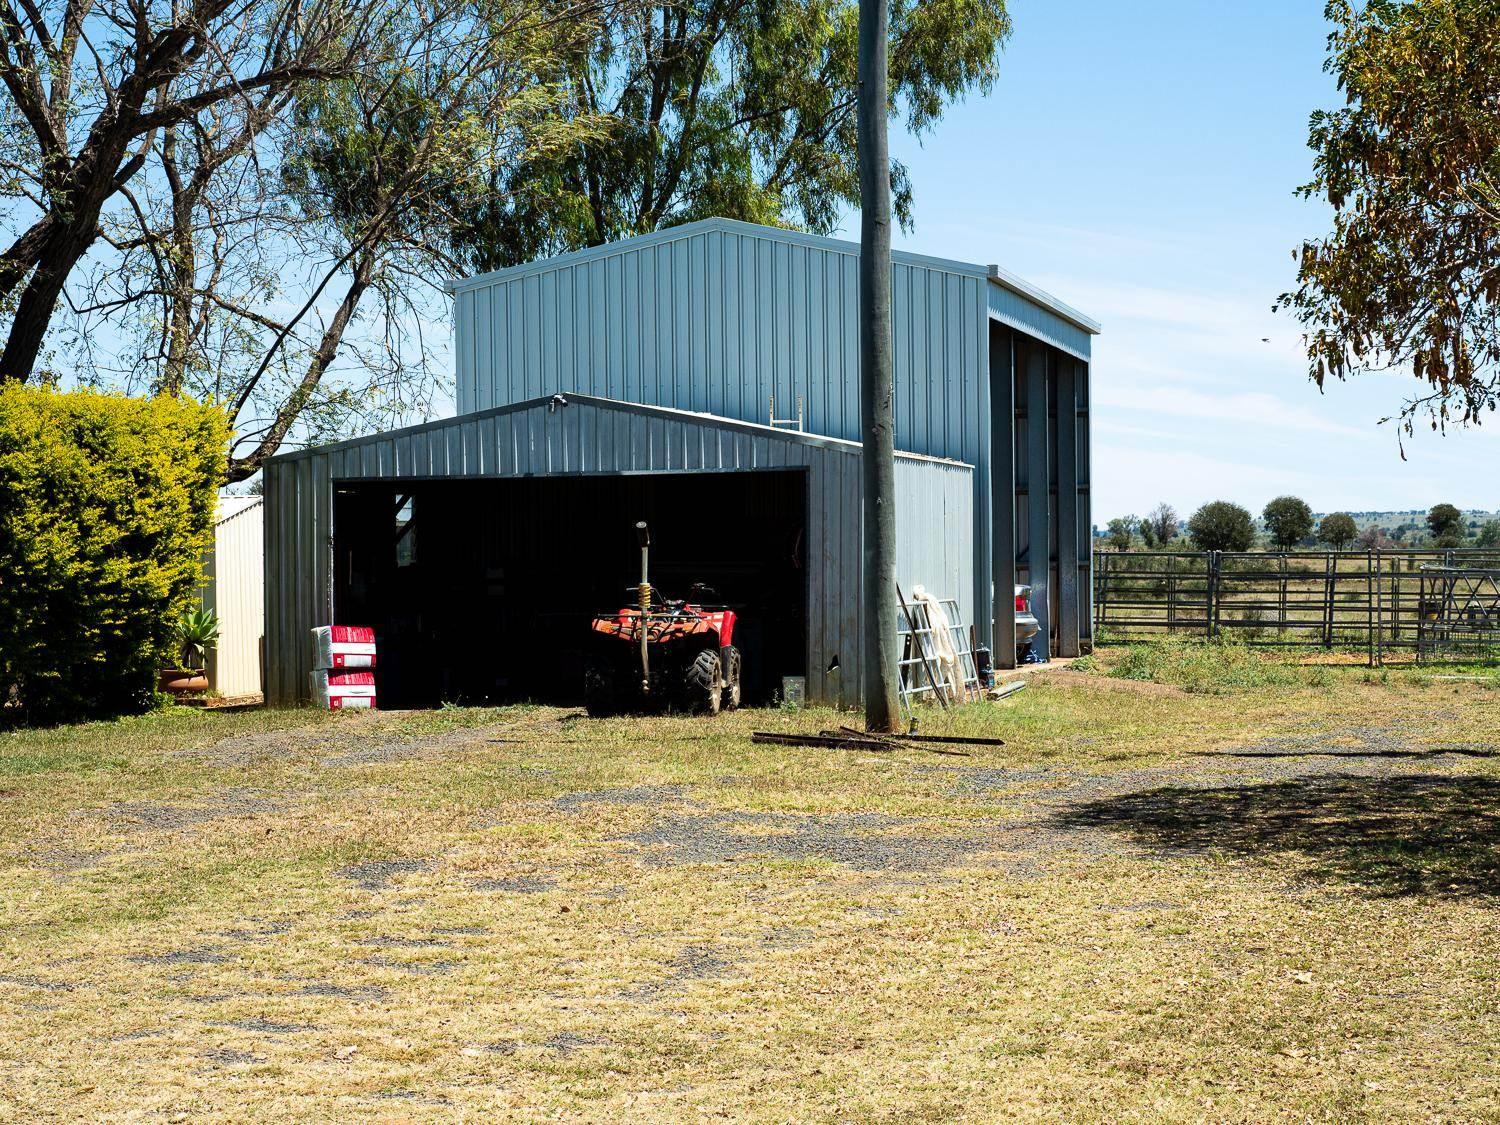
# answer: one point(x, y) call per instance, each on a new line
point(467, 534)
point(726, 317)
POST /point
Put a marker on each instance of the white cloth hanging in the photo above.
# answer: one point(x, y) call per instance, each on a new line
point(949, 675)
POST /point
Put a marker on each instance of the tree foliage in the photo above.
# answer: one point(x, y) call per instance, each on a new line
point(106, 510)
point(1446, 525)
point(1160, 526)
point(379, 172)
point(1288, 521)
point(259, 256)
point(1120, 533)
point(729, 108)
point(1409, 278)
point(1221, 525)
point(1338, 530)
point(1489, 534)
point(91, 88)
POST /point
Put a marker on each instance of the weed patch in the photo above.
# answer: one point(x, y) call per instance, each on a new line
point(1211, 667)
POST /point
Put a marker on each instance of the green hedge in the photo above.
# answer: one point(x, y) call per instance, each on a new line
point(106, 511)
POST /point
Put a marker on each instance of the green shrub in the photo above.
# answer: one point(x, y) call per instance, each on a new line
point(106, 510)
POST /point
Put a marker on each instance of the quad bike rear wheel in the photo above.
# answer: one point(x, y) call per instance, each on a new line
point(703, 688)
point(599, 696)
point(729, 663)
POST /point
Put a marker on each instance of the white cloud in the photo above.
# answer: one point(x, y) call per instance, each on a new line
point(1107, 425)
point(1243, 408)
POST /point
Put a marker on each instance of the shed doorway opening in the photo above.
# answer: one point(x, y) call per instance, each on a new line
point(481, 591)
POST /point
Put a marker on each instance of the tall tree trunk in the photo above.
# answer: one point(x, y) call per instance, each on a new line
point(60, 251)
point(882, 708)
point(182, 269)
point(70, 230)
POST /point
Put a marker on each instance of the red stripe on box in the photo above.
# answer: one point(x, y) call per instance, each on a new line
point(351, 679)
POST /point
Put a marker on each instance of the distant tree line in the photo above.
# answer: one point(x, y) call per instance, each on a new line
point(1286, 523)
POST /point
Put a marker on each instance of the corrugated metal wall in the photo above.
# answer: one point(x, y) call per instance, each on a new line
point(934, 506)
point(235, 590)
point(719, 317)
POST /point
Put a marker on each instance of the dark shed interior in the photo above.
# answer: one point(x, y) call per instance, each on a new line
point(481, 591)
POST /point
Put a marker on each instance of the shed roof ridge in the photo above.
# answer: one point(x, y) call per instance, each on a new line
point(572, 397)
point(699, 226)
point(993, 273)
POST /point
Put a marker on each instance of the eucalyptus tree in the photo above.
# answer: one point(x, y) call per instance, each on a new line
point(261, 254)
point(876, 371)
point(737, 108)
point(1222, 525)
point(1409, 277)
point(92, 87)
point(1163, 523)
point(1446, 523)
point(1121, 532)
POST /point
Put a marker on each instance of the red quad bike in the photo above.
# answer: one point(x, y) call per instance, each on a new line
point(660, 655)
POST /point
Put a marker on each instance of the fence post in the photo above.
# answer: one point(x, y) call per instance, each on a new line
point(1101, 595)
point(1171, 594)
point(1370, 607)
point(1379, 608)
point(1212, 606)
point(1330, 568)
point(1281, 611)
point(1421, 598)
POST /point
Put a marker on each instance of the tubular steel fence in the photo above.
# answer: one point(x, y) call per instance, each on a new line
point(1435, 603)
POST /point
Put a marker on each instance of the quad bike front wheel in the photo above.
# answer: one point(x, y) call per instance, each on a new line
point(702, 682)
point(600, 698)
point(729, 663)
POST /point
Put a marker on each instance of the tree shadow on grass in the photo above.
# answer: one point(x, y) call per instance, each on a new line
point(1419, 834)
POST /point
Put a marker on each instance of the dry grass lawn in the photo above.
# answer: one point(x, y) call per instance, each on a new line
point(1151, 904)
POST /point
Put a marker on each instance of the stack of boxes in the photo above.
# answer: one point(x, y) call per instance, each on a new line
point(337, 651)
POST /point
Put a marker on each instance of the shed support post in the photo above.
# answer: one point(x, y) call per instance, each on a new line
point(1085, 462)
point(1067, 508)
point(1038, 488)
point(1003, 493)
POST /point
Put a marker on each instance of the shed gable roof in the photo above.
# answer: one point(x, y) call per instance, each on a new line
point(1015, 288)
point(547, 402)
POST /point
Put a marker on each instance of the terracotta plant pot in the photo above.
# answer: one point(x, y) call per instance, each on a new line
point(181, 682)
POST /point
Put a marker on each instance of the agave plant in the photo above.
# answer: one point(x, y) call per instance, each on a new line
point(197, 632)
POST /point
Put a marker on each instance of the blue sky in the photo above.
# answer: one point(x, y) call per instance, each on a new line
point(1139, 161)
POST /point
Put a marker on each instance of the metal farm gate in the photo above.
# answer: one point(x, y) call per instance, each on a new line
point(1458, 612)
point(1381, 601)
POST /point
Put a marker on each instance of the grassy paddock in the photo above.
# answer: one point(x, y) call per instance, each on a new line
point(1232, 893)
